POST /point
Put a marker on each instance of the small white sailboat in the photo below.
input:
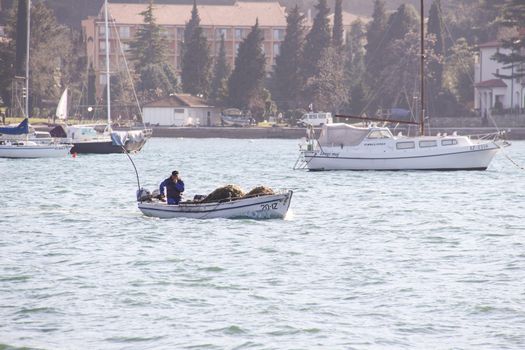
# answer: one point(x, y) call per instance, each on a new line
point(274, 206)
point(346, 147)
point(15, 147)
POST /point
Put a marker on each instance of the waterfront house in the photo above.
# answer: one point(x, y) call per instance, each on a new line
point(491, 92)
point(181, 110)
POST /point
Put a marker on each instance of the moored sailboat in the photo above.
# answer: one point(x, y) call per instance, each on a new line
point(93, 139)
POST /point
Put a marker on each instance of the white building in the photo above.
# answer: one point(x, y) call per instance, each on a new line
point(181, 110)
point(488, 89)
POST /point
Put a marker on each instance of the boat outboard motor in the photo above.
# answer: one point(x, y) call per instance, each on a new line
point(143, 195)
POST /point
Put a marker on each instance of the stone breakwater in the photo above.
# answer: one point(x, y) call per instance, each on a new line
point(517, 133)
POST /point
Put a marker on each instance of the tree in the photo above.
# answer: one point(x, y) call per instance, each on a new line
point(287, 79)
point(327, 89)
point(354, 68)
point(245, 83)
point(317, 41)
point(513, 16)
point(338, 30)
point(375, 50)
point(221, 73)
point(196, 60)
point(148, 51)
point(375, 38)
point(435, 27)
point(459, 66)
point(401, 22)
point(400, 76)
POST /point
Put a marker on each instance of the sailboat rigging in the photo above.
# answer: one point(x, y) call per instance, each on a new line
point(348, 147)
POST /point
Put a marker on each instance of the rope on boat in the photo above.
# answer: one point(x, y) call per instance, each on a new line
point(509, 158)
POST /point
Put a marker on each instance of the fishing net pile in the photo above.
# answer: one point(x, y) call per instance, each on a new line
point(235, 192)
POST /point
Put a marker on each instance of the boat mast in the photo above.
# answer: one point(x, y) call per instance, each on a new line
point(108, 88)
point(422, 72)
point(27, 56)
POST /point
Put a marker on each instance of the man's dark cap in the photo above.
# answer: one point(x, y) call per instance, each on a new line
point(174, 173)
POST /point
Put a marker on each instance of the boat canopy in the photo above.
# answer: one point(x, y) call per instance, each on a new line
point(342, 134)
point(22, 128)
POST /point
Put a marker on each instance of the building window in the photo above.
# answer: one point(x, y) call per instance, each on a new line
point(237, 48)
point(102, 46)
point(102, 31)
point(102, 79)
point(405, 145)
point(278, 34)
point(276, 49)
point(124, 32)
point(221, 32)
point(240, 33)
point(263, 48)
point(180, 34)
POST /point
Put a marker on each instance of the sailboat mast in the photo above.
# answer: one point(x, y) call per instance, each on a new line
point(422, 72)
point(27, 56)
point(108, 88)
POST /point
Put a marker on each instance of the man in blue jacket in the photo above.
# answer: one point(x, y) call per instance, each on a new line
point(174, 188)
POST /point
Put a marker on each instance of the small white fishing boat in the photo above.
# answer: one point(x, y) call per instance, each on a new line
point(257, 207)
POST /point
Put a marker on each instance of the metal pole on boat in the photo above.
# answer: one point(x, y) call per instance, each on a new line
point(108, 87)
point(422, 72)
point(27, 56)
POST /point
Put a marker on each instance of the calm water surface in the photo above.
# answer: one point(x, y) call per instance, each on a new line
point(365, 260)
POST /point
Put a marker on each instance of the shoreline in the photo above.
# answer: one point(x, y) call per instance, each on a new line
point(517, 133)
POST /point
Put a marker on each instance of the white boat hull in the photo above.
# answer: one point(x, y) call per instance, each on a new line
point(34, 151)
point(262, 207)
point(466, 158)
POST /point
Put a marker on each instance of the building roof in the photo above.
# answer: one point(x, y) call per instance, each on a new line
point(493, 43)
point(179, 100)
point(492, 83)
point(241, 13)
point(349, 18)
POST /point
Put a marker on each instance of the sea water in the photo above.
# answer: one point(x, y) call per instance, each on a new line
point(364, 260)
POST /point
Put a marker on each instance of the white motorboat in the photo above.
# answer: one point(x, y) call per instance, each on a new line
point(257, 207)
point(346, 147)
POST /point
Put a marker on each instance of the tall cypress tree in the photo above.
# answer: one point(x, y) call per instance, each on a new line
point(245, 83)
point(148, 46)
point(196, 58)
point(374, 37)
point(287, 79)
point(317, 41)
point(221, 72)
point(401, 22)
point(149, 52)
point(435, 28)
point(338, 30)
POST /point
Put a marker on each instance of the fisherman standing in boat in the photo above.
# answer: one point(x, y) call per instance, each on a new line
point(174, 188)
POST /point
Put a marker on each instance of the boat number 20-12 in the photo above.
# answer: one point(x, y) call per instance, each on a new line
point(268, 206)
point(479, 147)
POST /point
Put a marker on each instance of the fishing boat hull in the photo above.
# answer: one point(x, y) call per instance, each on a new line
point(105, 147)
point(467, 158)
point(262, 207)
point(34, 151)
